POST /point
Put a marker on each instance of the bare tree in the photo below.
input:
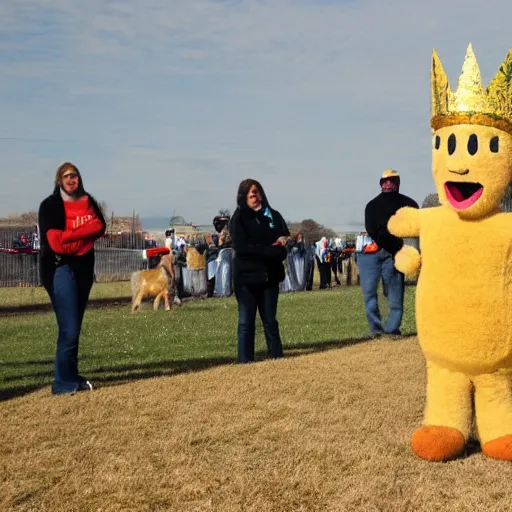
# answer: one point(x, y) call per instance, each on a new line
point(312, 231)
point(177, 219)
point(29, 218)
point(506, 204)
point(431, 201)
point(225, 212)
point(22, 219)
point(103, 207)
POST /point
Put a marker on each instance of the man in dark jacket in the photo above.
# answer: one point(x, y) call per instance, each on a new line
point(380, 264)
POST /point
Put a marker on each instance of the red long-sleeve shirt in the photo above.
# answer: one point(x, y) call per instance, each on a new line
point(83, 228)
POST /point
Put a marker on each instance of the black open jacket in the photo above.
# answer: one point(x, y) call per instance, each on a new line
point(256, 260)
point(52, 215)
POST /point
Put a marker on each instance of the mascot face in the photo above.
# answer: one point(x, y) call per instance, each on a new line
point(472, 167)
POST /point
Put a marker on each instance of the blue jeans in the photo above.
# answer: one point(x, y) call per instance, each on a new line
point(69, 294)
point(372, 268)
point(264, 299)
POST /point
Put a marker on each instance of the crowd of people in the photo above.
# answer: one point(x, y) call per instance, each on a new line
point(70, 221)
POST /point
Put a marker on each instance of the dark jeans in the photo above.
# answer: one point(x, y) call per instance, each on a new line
point(69, 294)
point(334, 268)
point(324, 270)
point(372, 268)
point(264, 299)
point(310, 268)
point(210, 287)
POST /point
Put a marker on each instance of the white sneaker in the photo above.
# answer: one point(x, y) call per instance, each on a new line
point(84, 385)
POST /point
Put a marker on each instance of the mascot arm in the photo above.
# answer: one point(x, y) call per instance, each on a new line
point(408, 261)
point(405, 223)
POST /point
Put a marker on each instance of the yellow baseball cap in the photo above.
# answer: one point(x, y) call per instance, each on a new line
point(390, 173)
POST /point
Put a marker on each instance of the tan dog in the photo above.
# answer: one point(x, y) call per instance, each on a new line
point(159, 283)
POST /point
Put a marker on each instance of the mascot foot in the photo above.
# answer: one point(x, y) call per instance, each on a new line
point(438, 444)
point(500, 448)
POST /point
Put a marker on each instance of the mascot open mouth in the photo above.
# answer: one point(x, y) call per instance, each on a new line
point(463, 194)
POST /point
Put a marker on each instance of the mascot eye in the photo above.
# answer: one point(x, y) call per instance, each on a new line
point(472, 144)
point(495, 144)
point(452, 144)
point(438, 142)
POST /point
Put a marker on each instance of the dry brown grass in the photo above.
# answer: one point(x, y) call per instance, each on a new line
point(324, 432)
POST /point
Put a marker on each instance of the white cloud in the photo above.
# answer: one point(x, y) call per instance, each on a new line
point(315, 98)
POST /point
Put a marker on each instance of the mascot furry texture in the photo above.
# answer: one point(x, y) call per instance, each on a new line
point(464, 292)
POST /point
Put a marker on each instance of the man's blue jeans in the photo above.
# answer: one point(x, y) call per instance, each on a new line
point(69, 295)
point(263, 298)
point(372, 268)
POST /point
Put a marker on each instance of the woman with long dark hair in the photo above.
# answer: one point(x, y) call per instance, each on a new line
point(70, 221)
point(259, 234)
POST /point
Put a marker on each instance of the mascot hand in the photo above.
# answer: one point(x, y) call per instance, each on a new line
point(405, 223)
point(408, 260)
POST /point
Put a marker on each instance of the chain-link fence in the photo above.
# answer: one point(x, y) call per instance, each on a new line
point(17, 237)
point(19, 269)
point(116, 264)
point(117, 256)
point(19, 259)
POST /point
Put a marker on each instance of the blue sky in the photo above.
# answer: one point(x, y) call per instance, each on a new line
point(166, 105)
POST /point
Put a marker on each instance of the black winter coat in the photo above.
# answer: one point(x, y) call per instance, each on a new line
point(377, 214)
point(256, 260)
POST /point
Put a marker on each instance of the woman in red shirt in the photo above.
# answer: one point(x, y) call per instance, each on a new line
point(70, 221)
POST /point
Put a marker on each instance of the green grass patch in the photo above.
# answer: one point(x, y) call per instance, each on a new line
point(117, 346)
point(19, 296)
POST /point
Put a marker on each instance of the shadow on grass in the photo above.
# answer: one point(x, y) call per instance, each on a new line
point(122, 374)
point(140, 371)
point(27, 363)
point(322, 346)
point(46, 307)
point(24, 309)
point(16, 392)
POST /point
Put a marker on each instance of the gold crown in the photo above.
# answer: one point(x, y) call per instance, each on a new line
point(471, 104)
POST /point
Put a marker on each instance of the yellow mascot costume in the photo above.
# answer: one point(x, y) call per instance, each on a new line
point(464, 291)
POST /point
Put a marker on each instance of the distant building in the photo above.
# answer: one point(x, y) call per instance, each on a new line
point(191, 229)
point(184, 230)
point(205, 228)
point(123, 224)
